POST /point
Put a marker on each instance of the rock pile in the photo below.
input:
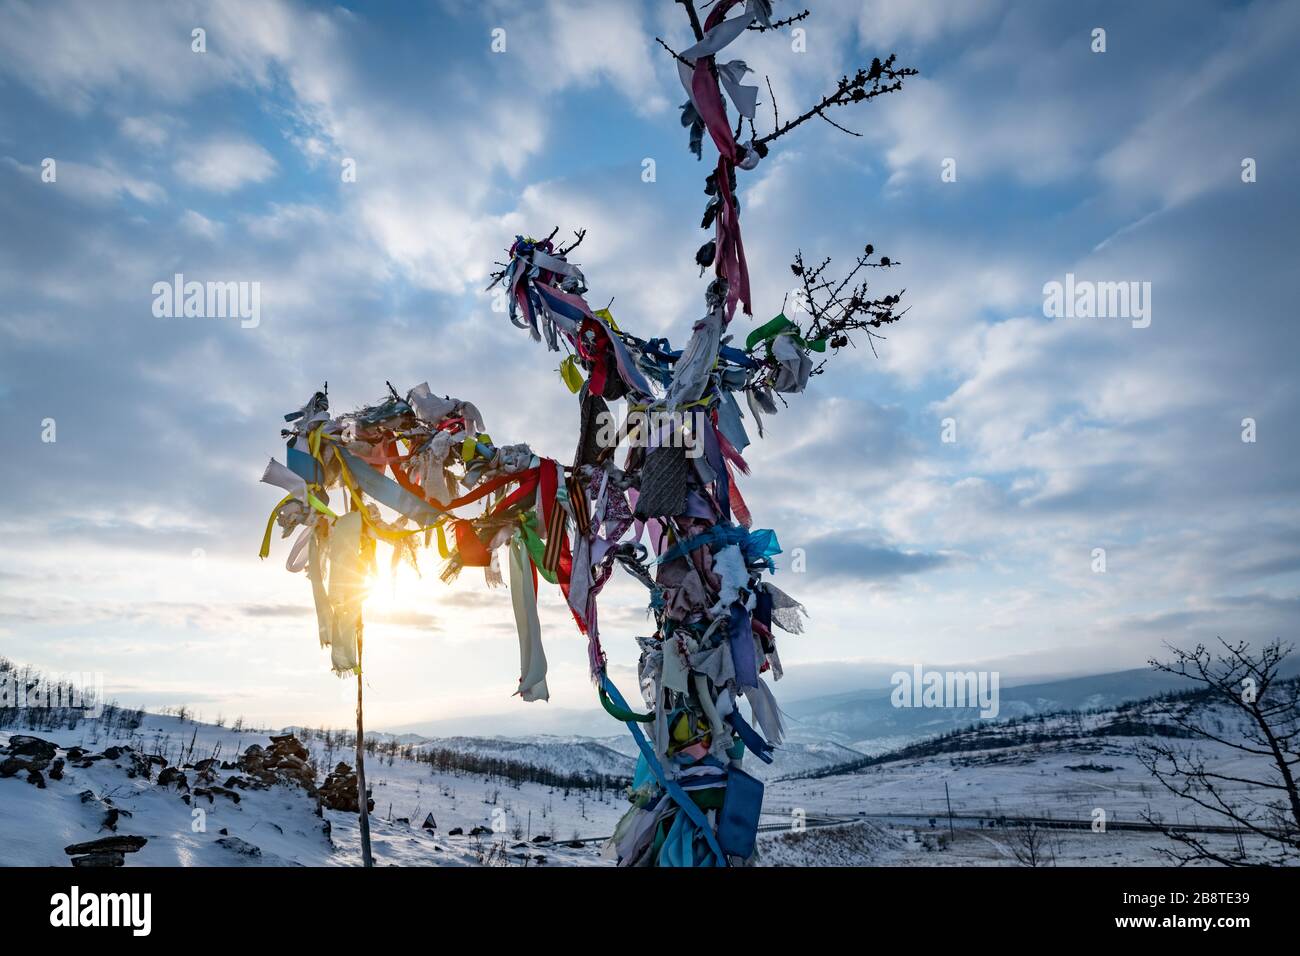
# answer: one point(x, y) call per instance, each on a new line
point(110, 851)
point(285, 761)
point(339, 791)
point(30, 755)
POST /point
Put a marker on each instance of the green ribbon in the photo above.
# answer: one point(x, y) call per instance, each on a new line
point(535, 545)
point(621, 713)
point(769, 330)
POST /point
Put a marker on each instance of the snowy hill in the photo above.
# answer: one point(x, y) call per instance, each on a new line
point(1065, 770)
point(870, 719)
point(171, 791)
point(277, 825)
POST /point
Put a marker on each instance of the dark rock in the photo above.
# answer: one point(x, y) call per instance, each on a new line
point(224, 832)
point(242, 847)
point(102, 859)
point(205, 764)
point(113, 844)
point(56, 769)
point(113, 753)
point(455, 831)
point(339, 791)
point(21, 745)
point(287, 745)
point(429, 823)
point(541, 838)
point(169, 775)
point(213, 792)
point(76, 753)
point(12, 766)
point(87, 795)
point(36, 779)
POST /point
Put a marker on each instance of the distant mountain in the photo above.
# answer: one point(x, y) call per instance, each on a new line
point(520, 722)
point(870, 719)
point(792, 757)
point(575, 755)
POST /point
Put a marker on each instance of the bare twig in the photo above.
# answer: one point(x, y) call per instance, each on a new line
point(778, 24)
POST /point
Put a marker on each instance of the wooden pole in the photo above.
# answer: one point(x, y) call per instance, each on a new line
point(947, 798)
point(366, 858)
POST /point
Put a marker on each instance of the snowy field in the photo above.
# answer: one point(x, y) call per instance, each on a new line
point(36, 824)
point(894, 814)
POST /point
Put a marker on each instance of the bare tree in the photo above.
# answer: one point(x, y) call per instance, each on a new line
point(1033, 845)
point(1264, 725)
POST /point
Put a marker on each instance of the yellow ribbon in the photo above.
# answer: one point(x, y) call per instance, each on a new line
point(570, 374)
point(266, 538)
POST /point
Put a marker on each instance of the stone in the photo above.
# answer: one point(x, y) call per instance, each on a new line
point(21, 745)
point(242, 847)
point(105, 858)
point(169, 775)
point(213, 792)
point(113, 844)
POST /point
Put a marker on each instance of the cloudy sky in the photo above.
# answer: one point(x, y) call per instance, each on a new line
point(130, 541)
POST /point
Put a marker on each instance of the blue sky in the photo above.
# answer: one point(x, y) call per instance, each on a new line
point(132, 539)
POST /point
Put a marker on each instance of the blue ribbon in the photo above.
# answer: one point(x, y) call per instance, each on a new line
point(679, 796)
point(757, 545)
point(304, 465)
point(742, 647)
point(751, 738)
point(388, 492)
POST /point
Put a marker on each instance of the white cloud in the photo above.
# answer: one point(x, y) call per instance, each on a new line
point(97, 183)
point(224, 164)
point(921, 21)
point(199, 225)
point(146, 130)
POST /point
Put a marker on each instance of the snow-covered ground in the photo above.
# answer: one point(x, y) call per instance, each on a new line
point(36, 824)
point(894, 813)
